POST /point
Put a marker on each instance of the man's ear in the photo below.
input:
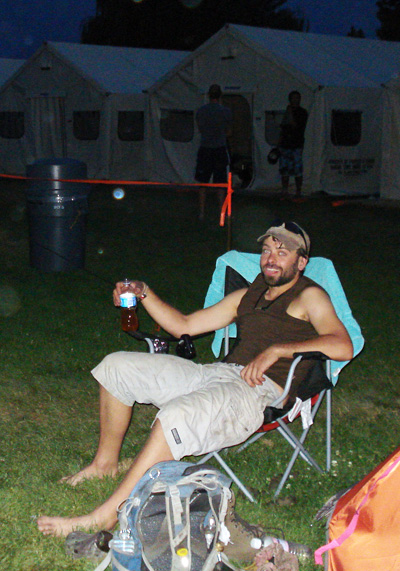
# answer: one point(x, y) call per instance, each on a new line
point(302, 262)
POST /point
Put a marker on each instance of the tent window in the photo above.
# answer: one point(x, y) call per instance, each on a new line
point(273, 120)
point(177, 125)
point(12, 124)
point(346, 128)
point(131, 125)
point(86, 125)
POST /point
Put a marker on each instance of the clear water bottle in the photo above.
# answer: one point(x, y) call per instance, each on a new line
point(125, 551)
point(209, 532)
point(129, 319)
point(301, 551)
point(123, 543)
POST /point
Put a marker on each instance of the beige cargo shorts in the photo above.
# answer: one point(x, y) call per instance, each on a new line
point(202, 408)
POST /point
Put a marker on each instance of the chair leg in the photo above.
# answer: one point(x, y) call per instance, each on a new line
point(250, 441)
point(230, 473)
point(205, 458)
point(328, 429)
point(296, 443)
point(299, 448)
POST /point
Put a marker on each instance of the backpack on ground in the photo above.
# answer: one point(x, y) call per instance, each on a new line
point(174, 519)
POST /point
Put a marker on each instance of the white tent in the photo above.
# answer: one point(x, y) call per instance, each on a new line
point(340, 79)
point(84, 102)
point(8, 67)
point(390, 175)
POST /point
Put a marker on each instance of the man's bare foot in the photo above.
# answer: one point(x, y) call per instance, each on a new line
point(62, 526)
point(91, 471)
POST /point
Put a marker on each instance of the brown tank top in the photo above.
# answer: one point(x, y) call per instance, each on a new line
point(262, 323)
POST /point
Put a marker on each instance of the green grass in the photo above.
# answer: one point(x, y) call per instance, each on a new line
point(56, 326)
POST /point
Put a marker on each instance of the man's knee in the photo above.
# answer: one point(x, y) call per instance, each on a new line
point(114, 360)
point(116, 375)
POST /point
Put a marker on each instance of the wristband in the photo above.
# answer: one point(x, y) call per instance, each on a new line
point(143, 295)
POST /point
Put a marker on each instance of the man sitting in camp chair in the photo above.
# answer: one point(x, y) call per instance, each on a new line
point(203, 408)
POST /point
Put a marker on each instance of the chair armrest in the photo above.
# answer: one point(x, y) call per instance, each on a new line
point(312, 355)
point(160, 344)
point(289, 379)
point(297, 357)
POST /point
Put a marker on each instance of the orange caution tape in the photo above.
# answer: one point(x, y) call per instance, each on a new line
point(121, 182)
point(226, 207)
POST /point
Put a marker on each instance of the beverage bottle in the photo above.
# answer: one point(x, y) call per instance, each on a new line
point(129, 320)
point(298, 549)
point(209, 531)
point(103, 539)
point(125, 552)
point(123, 543)
point(181, 562)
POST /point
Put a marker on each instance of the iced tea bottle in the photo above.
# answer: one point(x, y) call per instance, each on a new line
point(129, 319)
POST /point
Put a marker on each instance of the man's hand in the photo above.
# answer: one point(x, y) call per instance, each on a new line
point(135, 287)
point(253, 373)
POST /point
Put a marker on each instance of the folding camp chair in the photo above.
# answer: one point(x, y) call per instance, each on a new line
point(233, 271)
point(239, 268)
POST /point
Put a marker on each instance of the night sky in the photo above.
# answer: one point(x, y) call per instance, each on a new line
point(24, 25)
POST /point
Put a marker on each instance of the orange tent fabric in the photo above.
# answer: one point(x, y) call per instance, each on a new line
point(364, 531)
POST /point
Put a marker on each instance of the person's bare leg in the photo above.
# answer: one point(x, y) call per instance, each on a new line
point(114, 422)
point(299, 184)
point(285, 185)
point(155, 450)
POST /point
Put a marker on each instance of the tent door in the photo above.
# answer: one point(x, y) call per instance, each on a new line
point(240, 140)
point(48, 134)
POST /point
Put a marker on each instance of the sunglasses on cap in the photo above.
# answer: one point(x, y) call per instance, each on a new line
point(292, 227)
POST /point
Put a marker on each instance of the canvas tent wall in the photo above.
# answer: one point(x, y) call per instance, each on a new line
point(8, 67)
point(390, 177)
point(340, 81)
point(84, 102)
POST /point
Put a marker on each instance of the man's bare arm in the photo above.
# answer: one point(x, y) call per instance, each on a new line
point(175, 322)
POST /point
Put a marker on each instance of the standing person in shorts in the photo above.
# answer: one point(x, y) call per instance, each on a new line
point(291, 143)
point(203, 408)
point(214, 122)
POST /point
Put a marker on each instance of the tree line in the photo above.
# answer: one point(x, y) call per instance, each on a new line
point(186, 24)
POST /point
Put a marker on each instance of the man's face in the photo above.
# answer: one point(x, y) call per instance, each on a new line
point(278, 264)
point(295, 100)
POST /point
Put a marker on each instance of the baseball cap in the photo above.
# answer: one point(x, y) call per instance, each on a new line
point(290, 234)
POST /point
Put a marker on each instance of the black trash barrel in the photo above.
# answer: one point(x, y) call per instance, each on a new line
point(57, 213)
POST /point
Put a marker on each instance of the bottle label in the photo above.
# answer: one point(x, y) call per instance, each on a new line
point(124, 546)
point(128, 299)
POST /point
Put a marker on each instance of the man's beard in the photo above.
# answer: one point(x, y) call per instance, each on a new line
point(283, 278)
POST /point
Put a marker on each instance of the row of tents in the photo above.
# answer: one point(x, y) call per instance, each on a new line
point(129, 113)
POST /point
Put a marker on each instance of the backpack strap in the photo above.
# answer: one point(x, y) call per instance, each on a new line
point(105, 563)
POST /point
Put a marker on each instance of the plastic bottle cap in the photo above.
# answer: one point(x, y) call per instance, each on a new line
point(182, 552)
point(256, 543)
